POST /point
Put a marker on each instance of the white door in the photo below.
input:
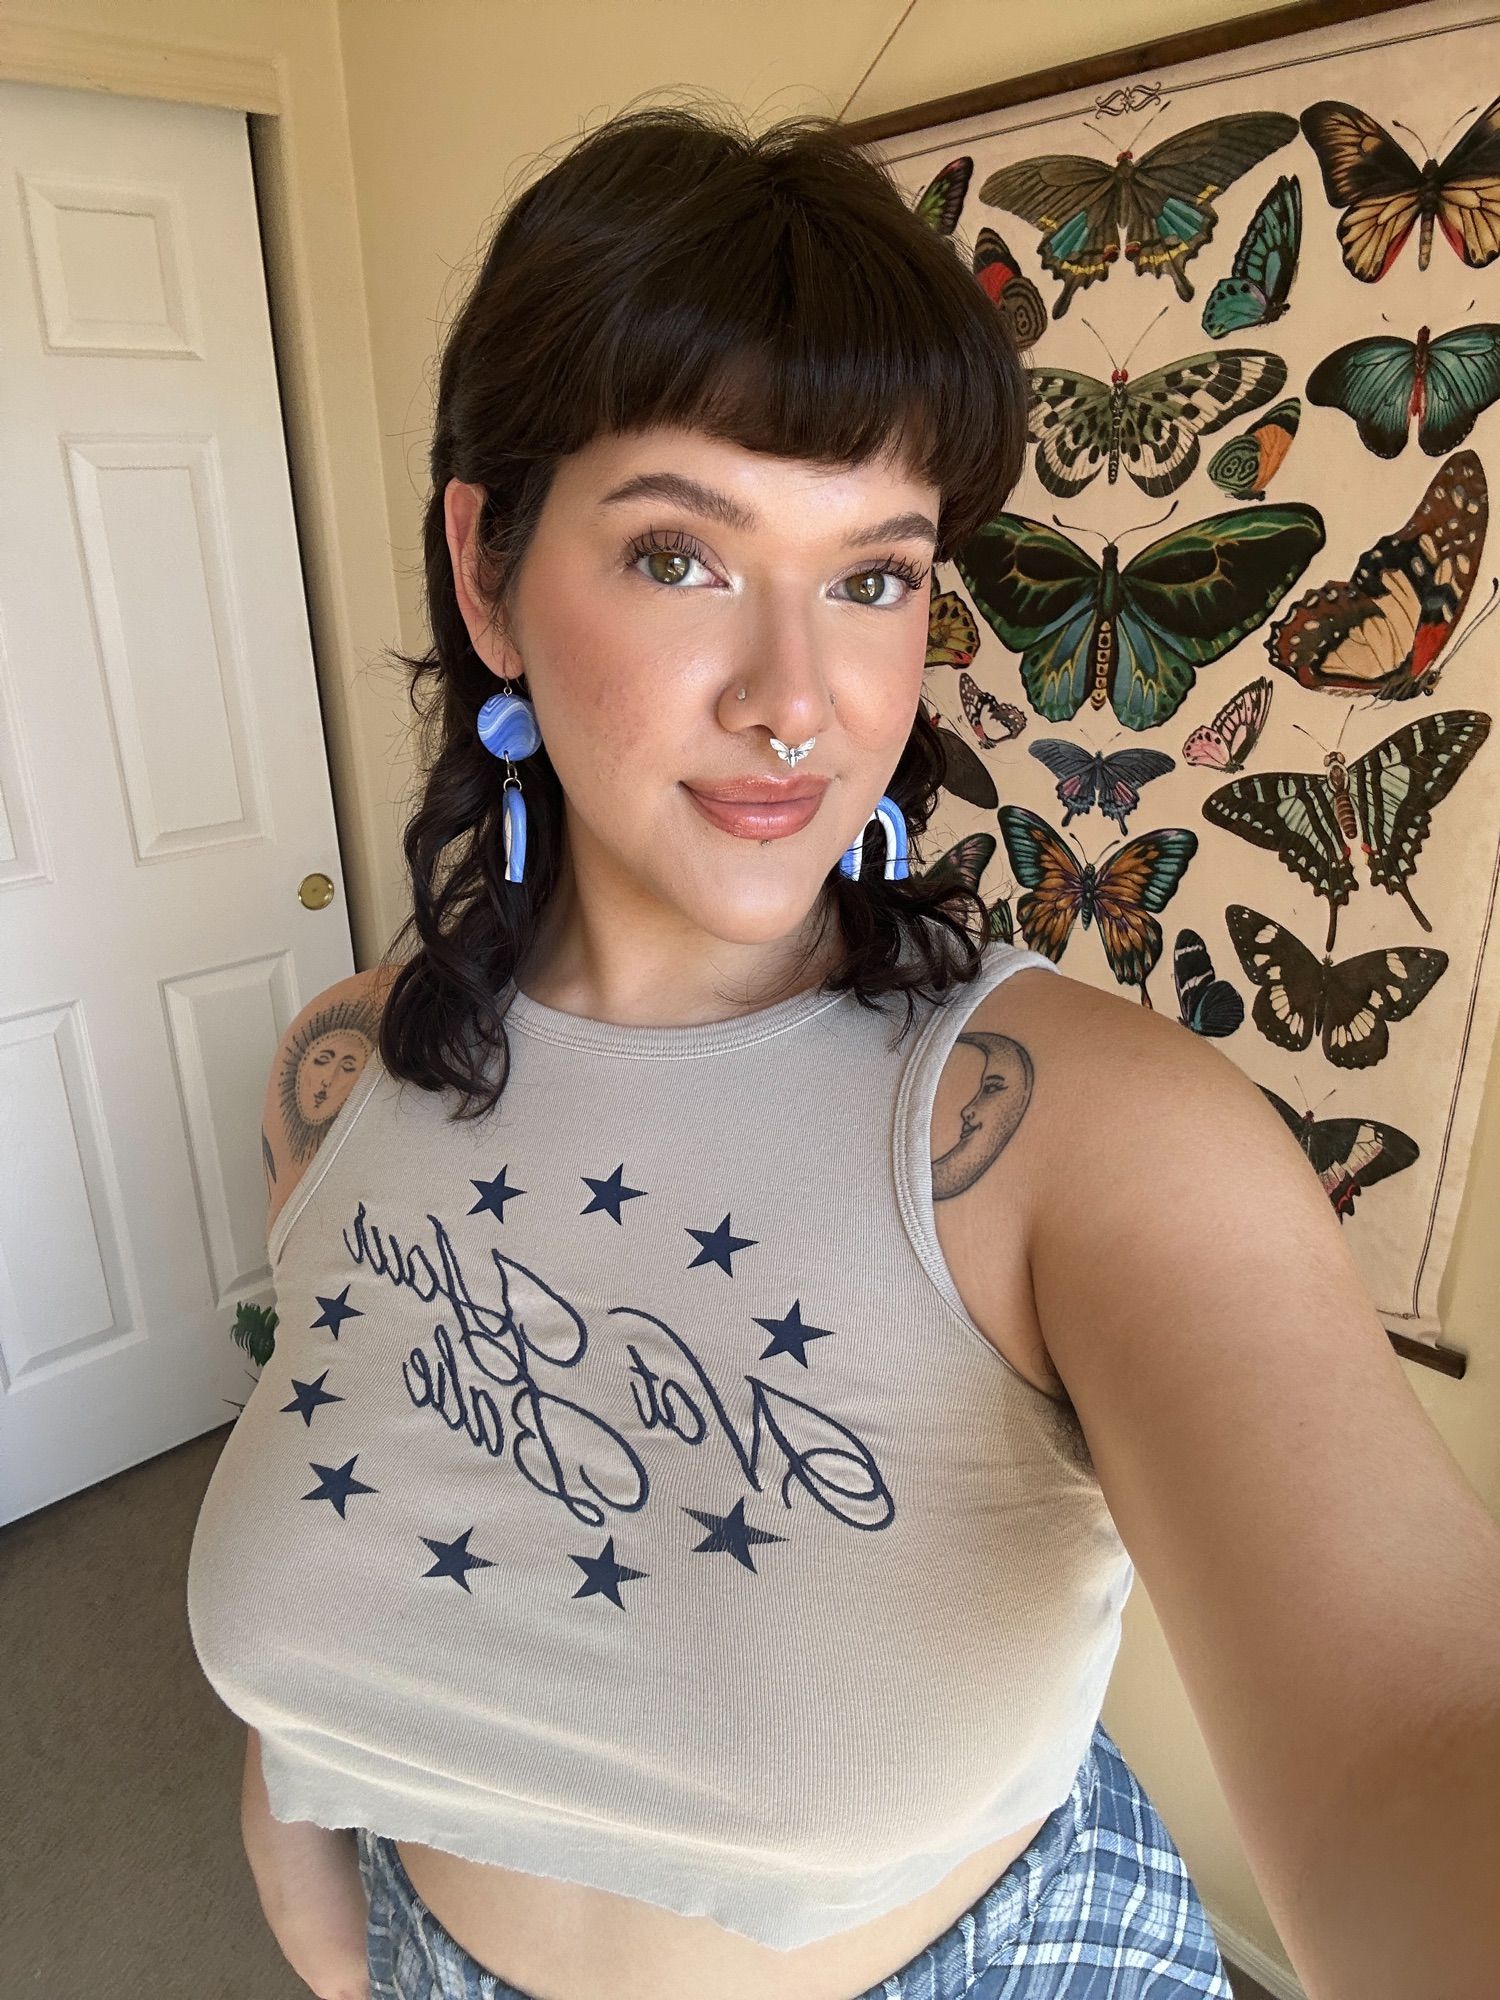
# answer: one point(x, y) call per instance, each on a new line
point(163, 782)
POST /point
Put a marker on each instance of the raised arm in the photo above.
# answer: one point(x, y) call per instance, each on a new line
point(1327, 1580)
point(316, 1065)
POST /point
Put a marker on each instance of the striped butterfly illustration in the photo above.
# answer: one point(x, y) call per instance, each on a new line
point(1082, 426)
point(1205, 1003)
point(1225, 743)
point(1384, 193)
point(1386, 384)
point(1245, 467)
point(1347, 1006)
point(1383, 632)
point(1385, 800)
point(1160, 204)
point(1121, 892)
point(1136, 636)
point(1347, 1154)
point(1260, 278)
point(952, 634)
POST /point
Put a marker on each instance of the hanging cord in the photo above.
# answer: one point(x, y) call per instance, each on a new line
point(869, 71)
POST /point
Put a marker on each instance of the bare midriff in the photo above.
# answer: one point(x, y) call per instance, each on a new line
point(563, 1941)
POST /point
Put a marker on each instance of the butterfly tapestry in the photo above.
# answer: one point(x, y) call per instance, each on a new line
point(1260, 278)
point(1205, 1003)
point(1246, 465)
point(1081, 425)
point(1347, 1154)
point(1225, 743)
point(1136, 636)
point(952, 635)
point(1385, 799)
point(1110, 779)
point(1121, 892)
point(979, 705)
point(1347, 1005)
point(1386, 384)
point(1014, 296)
point(1383, 632)
point(1384, 193)
point(1161, 204)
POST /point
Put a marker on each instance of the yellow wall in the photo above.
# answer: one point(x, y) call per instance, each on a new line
point(404, 125)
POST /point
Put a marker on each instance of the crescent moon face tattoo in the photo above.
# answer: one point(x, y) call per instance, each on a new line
point(991, 1115)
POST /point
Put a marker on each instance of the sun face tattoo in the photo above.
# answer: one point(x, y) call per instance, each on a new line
point(319, 1069)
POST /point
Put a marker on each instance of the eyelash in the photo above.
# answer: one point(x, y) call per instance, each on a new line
point(652, 540)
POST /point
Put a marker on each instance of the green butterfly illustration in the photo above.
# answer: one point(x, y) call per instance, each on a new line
point(1134, 636)
point(1260, 278)
point(1384, 382)
point(1161, 203)
point(1080, 425)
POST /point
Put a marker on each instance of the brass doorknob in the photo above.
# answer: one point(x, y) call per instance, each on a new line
point(315, 891)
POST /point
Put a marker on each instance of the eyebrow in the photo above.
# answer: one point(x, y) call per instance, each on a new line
point(717, 506)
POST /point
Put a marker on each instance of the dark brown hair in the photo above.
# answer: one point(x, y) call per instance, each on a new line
point(774, 290)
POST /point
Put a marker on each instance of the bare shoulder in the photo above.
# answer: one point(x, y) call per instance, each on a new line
point(317, 1063)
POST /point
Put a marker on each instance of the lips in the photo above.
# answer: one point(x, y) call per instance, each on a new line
point(758, 808)
point(759, 791)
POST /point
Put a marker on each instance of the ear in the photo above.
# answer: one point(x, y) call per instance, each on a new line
point(462, 501)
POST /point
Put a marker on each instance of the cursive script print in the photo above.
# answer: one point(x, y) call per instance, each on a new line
point(566, 1450)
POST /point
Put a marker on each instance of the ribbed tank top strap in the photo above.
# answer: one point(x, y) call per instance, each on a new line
point(912, 1134)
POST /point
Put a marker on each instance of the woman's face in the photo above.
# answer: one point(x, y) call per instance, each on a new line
point(668, 570)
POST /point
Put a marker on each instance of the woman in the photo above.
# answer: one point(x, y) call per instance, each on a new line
point(741, 1330)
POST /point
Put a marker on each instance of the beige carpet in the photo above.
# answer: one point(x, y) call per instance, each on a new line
point(122, 1876)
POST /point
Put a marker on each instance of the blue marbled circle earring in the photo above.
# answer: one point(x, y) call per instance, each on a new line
point(507, 729)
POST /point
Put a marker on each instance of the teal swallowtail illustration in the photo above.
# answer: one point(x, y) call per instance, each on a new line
point(1161, 204)
point(1135, 637)
point(1260, 278)
point(1082, 426)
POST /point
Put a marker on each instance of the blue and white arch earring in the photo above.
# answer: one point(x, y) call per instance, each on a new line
point(507, 729)
point(893, 821)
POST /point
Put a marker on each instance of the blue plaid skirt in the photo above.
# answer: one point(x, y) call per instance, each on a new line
point(1100, 1906)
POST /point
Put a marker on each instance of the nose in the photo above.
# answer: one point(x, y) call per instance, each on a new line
point(786, 688)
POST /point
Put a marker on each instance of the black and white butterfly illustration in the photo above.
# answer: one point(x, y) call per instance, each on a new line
point(1207, 1004)
point(1082, 426)
point(1384, 800)
point(1108, 779)
point(1347, 1005)
point(1348, 1154)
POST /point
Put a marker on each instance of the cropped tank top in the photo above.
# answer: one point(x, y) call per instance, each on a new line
point(630, 1498)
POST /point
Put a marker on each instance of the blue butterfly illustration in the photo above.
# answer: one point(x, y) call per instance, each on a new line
point(1260, 278)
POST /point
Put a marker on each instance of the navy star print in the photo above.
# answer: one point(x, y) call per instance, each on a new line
point(486, 1324)
point(717, 1246)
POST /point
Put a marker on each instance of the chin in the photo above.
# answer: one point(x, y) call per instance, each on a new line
point(751, 913)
